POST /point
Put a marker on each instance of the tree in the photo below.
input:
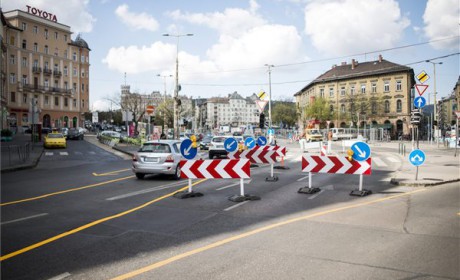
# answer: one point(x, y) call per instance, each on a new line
point(318, 109)
point(285, 112)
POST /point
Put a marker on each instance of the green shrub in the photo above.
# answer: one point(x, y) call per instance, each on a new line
point(6, 133)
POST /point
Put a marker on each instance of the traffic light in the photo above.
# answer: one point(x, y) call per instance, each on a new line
point(415, 117)
point(262, 120)
point(193, 138)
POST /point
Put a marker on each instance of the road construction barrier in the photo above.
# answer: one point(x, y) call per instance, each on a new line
point(258, 155)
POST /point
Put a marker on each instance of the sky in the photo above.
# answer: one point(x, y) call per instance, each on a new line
point(234, 40)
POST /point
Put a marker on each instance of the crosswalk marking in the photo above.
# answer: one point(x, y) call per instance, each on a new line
point(78, 153)
point(49, 153)
point(64, 153)
point(392, 159)
point(92, 152)
point(378, 162)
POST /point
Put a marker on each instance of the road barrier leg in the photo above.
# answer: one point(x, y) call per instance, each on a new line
point(309, 189)
point(360, 191)
point(271, 178)
point(189, 193)
point(242, 197)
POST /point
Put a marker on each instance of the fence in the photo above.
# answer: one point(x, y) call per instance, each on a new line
point(16, 153)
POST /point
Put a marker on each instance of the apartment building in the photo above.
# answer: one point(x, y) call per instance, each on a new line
point(377, 93)
point(47, 72)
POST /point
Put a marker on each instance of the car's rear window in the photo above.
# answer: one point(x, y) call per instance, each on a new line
point(219, 139)
point(155, 148)
point(55, 135)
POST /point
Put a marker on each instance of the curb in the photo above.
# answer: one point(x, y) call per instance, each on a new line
point(23, 166)
point(395, 182)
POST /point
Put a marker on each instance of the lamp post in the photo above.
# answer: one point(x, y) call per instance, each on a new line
point(164, 100)
point(269, 94)
point(176, 89)
point(434, 96)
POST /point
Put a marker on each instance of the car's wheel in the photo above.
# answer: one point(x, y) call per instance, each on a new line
point(140, 176)
point(211, 155)
point(176, 175)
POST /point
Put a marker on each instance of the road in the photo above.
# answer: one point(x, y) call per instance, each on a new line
point(82, 214)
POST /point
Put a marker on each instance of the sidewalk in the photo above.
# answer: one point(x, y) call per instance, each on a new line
point(20, 153)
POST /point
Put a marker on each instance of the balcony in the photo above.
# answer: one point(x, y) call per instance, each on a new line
point(44, 89)
point(36, 69)
point(47, 71)
point(57, 73)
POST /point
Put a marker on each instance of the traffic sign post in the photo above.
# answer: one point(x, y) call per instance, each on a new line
point(261, 141)
point(230, 144)
point(188, 152)
point(419, 102)
point(417, 157)
point(250, 143)
point(361, 152)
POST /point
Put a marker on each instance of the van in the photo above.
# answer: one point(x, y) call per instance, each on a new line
point(313, 135)
point(340, 134)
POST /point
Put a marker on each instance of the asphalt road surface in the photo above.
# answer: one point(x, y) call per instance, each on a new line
point(81, 214)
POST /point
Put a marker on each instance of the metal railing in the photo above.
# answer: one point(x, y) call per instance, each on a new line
point(16, 153)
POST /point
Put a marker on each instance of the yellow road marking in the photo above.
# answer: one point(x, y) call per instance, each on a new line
point(250, 233)
point(66, 191)
point(67, 233)
point(458, 213)
point(110, 173)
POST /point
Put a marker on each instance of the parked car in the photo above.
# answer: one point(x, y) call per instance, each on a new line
point(75, 133)
point(46, 130)
point(312, 135)
point(55, 140)
point(109, 133)
point(158, 157)
point(205, 143)
point(217, 145)
point(65, 131)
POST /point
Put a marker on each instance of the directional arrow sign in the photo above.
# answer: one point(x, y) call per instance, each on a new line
point(335, 165)
point(218, 169)
point(186, 149)
point(361, 151)
point(421, 89)
point(417, 157)
point(261, 141)
point(419, 101)
point(230, 144)
point(250, 142)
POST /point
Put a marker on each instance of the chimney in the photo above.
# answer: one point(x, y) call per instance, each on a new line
point(380, 58)
point(344, 63)
point(352, 64)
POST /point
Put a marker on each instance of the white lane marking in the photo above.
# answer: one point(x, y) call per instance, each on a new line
point(392, 159)
point(316, 194)
point(49, 153)
point(236, 205)
point(78, 153)
point(60, 276)
point(144, 191)
point(234, 184)
point(64, 153)
point(378, 162)
point(303, 178)
point(93, 153)
point(25, 218)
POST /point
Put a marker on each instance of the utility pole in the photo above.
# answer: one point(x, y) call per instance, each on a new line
point(164, 100)
point(435, 114)
point(269, 94)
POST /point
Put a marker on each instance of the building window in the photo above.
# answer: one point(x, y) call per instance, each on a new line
point(87, 59)
point(387, 106)
point(342, 108)
point(35, 29)
point(35, 47)
point(46, 33)
point(374, 108)
point(363, 88)
point(56, 83)
point(12, 59)
point(65, 70)
point(352, 90)
point(56, 36)
point(83, 103)
point(56, 52)
point(12, 78)
point(74, 71)
point(56, 101)
point(65, 38)
point(36, 63)
point(66, 102)
point(47, 100)
point(331, 109)
point(74, 86)
point(82, 58)
point(386, 86)
point(13, 96)
point(12, 40)
point(83, 87)
point(398, 106)
point(65, 53)
point(56, 68)
point(24, 44)
point(46, 49)
point(24, 98)
point(24, 26)
point(321, 92)
point(331, 92)
point(24, 62)
point(342, 91)
point(24, 79)
point(47, 84)
point(75, 103)
point(398, 86)
point(82, 72)
point(25, 118)
point(66, 85)
point(374, 87)
point(47, 65)
point(74, 56)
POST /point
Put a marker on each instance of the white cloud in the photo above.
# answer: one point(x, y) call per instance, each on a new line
point(73, 13)
point(100, 105)
point(441, 20)
point(342, 27)
point(136, 21)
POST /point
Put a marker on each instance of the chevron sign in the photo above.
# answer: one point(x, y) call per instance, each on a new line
point(334, 164)
point(219, 169)
point(280, 150)
point(255, 155)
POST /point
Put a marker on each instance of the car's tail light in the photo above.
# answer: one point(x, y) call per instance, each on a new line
point(134, 158)
point(169, 158)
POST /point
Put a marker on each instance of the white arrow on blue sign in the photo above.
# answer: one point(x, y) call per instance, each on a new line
point(361, 151)
point(419, 101)
point(417, 157)
point(261, 141)
point(250, 142)
point(271, 131)
point(230, 144)
point(186, 149)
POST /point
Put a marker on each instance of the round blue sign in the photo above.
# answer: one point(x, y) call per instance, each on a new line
point(186, 149)
point(361, 151)
point(261, 141)
point(417, 157)
point(250, 142)
point(419, 102)
point(230, 144)
point(271, 131)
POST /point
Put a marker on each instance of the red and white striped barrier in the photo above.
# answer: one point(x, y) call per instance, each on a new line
point(280, 150)
point(335, 164)
point(255, 155)
point(218, 169)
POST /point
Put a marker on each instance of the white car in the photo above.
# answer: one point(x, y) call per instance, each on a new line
point(217, 145)
point(158, 157)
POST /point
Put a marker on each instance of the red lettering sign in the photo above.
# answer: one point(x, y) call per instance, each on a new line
point(41, 13)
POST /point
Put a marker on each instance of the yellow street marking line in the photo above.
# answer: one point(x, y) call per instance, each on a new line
point(66, 191)
point(110, 173)
point(67, 233)
point(250, 233)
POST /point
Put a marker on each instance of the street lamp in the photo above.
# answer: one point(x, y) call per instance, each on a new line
point(434, 95)
point(164, 101)
point(176, 89)
point(269, 94)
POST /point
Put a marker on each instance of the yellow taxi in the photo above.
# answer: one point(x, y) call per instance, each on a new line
point(55, 140)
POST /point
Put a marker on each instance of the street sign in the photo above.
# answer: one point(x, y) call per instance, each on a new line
point(361, 151)
point(335, 165)
point(250, 142)
point(187, 150)
point(230, 144)
point(271, 131)
point(261, 105)
point(261, 94)
point(421, 89)
point(419, 101)
point(217, 169)
point(255, 156)
point(417, 157)
point(149, 109)
point(261, 141)
point(423, 77)
point(415, 117)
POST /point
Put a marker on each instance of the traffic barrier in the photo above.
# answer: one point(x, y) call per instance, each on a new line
point(281, 152)
point(258, 155)
point(335, 165)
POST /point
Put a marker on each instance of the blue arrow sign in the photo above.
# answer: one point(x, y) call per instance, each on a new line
point(361, 151)
point(417, 157)
point(271, 131)
point(230, 144)
point(186, 149)
point(419, 101)
point(261, 141)
point(250, 142)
